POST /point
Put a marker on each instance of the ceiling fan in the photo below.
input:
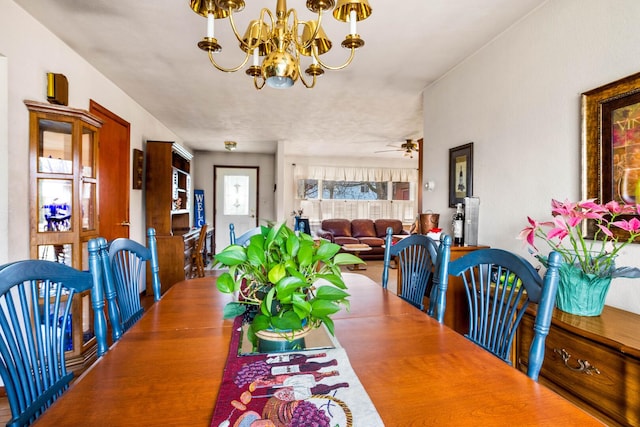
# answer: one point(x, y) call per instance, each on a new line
point(408, 147)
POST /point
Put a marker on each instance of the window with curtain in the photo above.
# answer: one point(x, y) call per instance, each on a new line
point(325, 192)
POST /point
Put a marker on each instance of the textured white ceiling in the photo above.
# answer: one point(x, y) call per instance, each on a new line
point(149, 49)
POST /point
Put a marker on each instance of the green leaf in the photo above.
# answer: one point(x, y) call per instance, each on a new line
point(257, 240)
point(329, 323)
point(343, 259)
point(260, 322)
point(326, 250)
point(289, 321)
point(334, 279)
point(322, 308)
point(265, 306)
point(293, 271)
point(277, 273)
point(305, 256)
point(233, 309)
point(301, 307)
point(255, 255)
point(330, 293)
point(231, 255)
point(274, 234)
point(288, 285)
point(225, 283)
point(293, 245)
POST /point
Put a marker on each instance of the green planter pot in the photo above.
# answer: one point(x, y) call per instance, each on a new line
point(581, 293)
point(273, 342)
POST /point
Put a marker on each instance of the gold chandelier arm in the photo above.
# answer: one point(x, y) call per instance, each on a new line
point(261, 20)
point(297, 37)
point(328, 67)
point(228, 70)
point(307, 85)
point(256, 85)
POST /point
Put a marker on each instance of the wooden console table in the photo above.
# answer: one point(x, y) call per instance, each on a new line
point(592, 361)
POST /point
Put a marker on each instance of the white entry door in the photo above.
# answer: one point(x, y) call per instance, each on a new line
point(236, 201)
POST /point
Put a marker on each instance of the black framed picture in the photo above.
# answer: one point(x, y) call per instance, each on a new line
point(460, 173)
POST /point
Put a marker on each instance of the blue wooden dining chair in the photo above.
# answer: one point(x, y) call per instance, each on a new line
point(244, 237)
point(124, 265)
point(416, 260)
point(500, 286)
point(35, 318)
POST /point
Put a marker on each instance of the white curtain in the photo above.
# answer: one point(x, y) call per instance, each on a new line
point(340, 173)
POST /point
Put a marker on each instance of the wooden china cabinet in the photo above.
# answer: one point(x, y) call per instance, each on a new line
point(63, 153)
point(168, 209)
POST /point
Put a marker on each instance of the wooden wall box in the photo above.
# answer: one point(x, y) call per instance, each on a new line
point(57, 89)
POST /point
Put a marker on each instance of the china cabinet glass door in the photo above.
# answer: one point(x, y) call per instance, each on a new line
point(64, 215)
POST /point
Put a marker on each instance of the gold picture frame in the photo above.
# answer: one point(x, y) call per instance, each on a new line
point(611, 144)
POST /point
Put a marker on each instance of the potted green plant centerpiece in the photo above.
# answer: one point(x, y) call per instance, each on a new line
point(589, 265)
point(286, 283)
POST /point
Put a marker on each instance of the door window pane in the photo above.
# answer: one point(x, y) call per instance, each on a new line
point(236, 195)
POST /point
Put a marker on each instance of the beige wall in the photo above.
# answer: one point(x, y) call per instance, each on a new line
point(518, 100)
point(29, 51)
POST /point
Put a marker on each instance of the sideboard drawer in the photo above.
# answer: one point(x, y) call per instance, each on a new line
point(603, 379)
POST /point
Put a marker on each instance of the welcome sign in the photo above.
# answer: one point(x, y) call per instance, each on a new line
point(198, 208)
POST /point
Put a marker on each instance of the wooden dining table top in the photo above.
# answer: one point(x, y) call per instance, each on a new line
point(167, 369)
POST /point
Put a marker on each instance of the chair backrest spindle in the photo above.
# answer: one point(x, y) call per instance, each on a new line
point(124, 268)
point(417, 263)
point(36, 297)
point(500, 286)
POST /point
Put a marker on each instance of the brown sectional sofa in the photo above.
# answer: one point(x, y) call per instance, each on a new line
point(344, 231)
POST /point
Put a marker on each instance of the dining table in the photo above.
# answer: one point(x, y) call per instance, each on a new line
point(168, 368)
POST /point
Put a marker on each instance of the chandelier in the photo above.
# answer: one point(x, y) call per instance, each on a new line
point(280, 40)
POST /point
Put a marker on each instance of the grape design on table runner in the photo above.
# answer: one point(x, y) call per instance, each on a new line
point(288, 390)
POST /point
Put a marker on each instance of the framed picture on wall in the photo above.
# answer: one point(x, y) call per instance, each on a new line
point(611, 144)
point(460, 173)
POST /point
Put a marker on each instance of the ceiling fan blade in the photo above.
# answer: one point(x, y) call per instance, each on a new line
point(386, 151)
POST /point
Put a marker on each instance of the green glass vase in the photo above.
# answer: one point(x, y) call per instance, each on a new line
point(581, 293)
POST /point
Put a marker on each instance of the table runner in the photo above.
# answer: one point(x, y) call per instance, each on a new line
point(292, 389)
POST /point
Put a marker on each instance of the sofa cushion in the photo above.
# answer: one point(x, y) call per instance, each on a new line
point(362, 228)
point(382, 224)
point(372, 241)
point(345, 240)
point(339, 227)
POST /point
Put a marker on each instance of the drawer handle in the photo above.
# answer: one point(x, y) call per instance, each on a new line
point(583, 365)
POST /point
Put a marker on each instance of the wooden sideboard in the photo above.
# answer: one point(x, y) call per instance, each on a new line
point(592, 361)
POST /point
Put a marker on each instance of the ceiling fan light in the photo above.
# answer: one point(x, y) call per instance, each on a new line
point(279, 70)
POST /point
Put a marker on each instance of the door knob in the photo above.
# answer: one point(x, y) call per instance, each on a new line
point(125, 224)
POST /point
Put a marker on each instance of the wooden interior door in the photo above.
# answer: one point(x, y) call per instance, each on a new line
point(113, 173)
